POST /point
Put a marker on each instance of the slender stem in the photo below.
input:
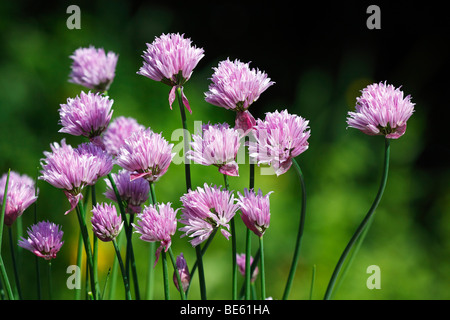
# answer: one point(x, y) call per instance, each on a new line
point(122, 268)
point(252, 269)
point(94, 238)
point(177, 273)
point(152, 251)
point(299, 234)
point(363, 224)
point(36, 258)
point(248, 254)
point(14, 261)
point(87, 248)
point(313, 280)
point(201, 272)
point(128, 231)
point(49, 275)
point(262, 271)
point(165, 275)
point(4, 275)
point(187, 166)
point(233, 249)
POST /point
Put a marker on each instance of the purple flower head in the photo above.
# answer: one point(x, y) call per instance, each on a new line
point(134, 193)
point(44, 240)
point(171, 58)
point(72, 169)
point(278, 139)
point(20, 195)
point(86, 115)
point(381, 110)
point(206, 209)
point(235, 86)
point(117, 132)
point(93, 68)
point(183, 270)
point(216, 145)
point(106, 224)
point(157, 223)
point(146, 154)
point(255, 209)
point(240, 260)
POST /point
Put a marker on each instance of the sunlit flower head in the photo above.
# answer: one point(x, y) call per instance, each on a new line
point(106, 224)
point(86, 115)
point(216, 145)
point(44, 240)
point(236, 86)
point(72, 169)
point(255, 210)
point(279, 138)
point(20, 195)
point(381, 110)
point(133, 193)
point(206, 209)
point(146, 154)
point(157, 223)
point(171, 59)
point(93, 68)
point(118, 131)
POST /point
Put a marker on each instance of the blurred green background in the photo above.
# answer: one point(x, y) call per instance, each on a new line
point(320, 56)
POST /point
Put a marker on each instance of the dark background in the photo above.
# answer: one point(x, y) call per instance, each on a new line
point(320, 55)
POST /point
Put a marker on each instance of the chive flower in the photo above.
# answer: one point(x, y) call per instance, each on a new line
point(381, 110)
point(157, 223)
point(205, 210)
point(21, 194)
point(71, 169)
point(171, 59)
point(183, 270)
point(146, 154)
point(118, 131)
point(44, 240)
point(240, 260)
point(216, 145)
point(133, 193)
point(235, 86)
point(278, 139)
point(106, 224)
point(255, 210)
point(93, 68)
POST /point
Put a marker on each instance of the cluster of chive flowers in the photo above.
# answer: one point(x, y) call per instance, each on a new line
point(144, 156)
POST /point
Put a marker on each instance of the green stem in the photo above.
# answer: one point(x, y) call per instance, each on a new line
point(252, 269)
point(201, 272)
point(94, 238)
point(262, 271)
point(248, 274)
point(313, 280)
point(152, 251)
point(165, 275)
point(363, 224)
point(4, 275)
point(233, 249)
point(177, 273)
point(36, 258)
point(122, 268)
point(50, 279)
point(14, 261)
point(129, 232)
point(299, 234)
point(187, 167)
point(87, 248)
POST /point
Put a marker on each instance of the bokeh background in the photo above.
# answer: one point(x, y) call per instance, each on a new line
point(320, 56)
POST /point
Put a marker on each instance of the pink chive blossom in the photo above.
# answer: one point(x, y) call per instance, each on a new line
point(236, 86)
point(240, 260)
point(183, 270)
point(171, 59)
point(255, 210)
point(93, 68)
point(146, 154)
point(205, 210)
point(381, 110)
point(133, 193)
point(279, 138)
point(44, 240)
point(71, 169)
point(86, 115)
point(216, 145)
point(157, 223)
point(118, 131)
point(106, 224)
point(20, 195)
